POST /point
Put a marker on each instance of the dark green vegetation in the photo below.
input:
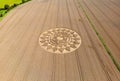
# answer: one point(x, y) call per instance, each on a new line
point(6, 6)
point(100, 38)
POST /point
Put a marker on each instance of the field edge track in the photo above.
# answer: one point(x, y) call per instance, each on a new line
point(100, 38)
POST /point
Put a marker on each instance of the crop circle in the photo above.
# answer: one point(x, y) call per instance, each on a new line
point(60, 40)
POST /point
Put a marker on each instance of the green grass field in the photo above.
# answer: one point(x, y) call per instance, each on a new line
point(2, 12)
point(9, 2)
point(10, 5)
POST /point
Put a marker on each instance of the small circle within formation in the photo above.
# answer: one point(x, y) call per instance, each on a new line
point(60, 40)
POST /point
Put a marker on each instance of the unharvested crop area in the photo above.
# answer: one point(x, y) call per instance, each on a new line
point(97, 22)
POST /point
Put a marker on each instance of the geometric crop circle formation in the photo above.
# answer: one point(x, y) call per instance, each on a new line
point(60, 40)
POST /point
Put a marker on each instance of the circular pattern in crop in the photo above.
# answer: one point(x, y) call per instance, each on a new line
point(60, 40)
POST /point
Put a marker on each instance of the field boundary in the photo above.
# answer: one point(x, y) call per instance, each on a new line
point(7, 8)
point(100, 38)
